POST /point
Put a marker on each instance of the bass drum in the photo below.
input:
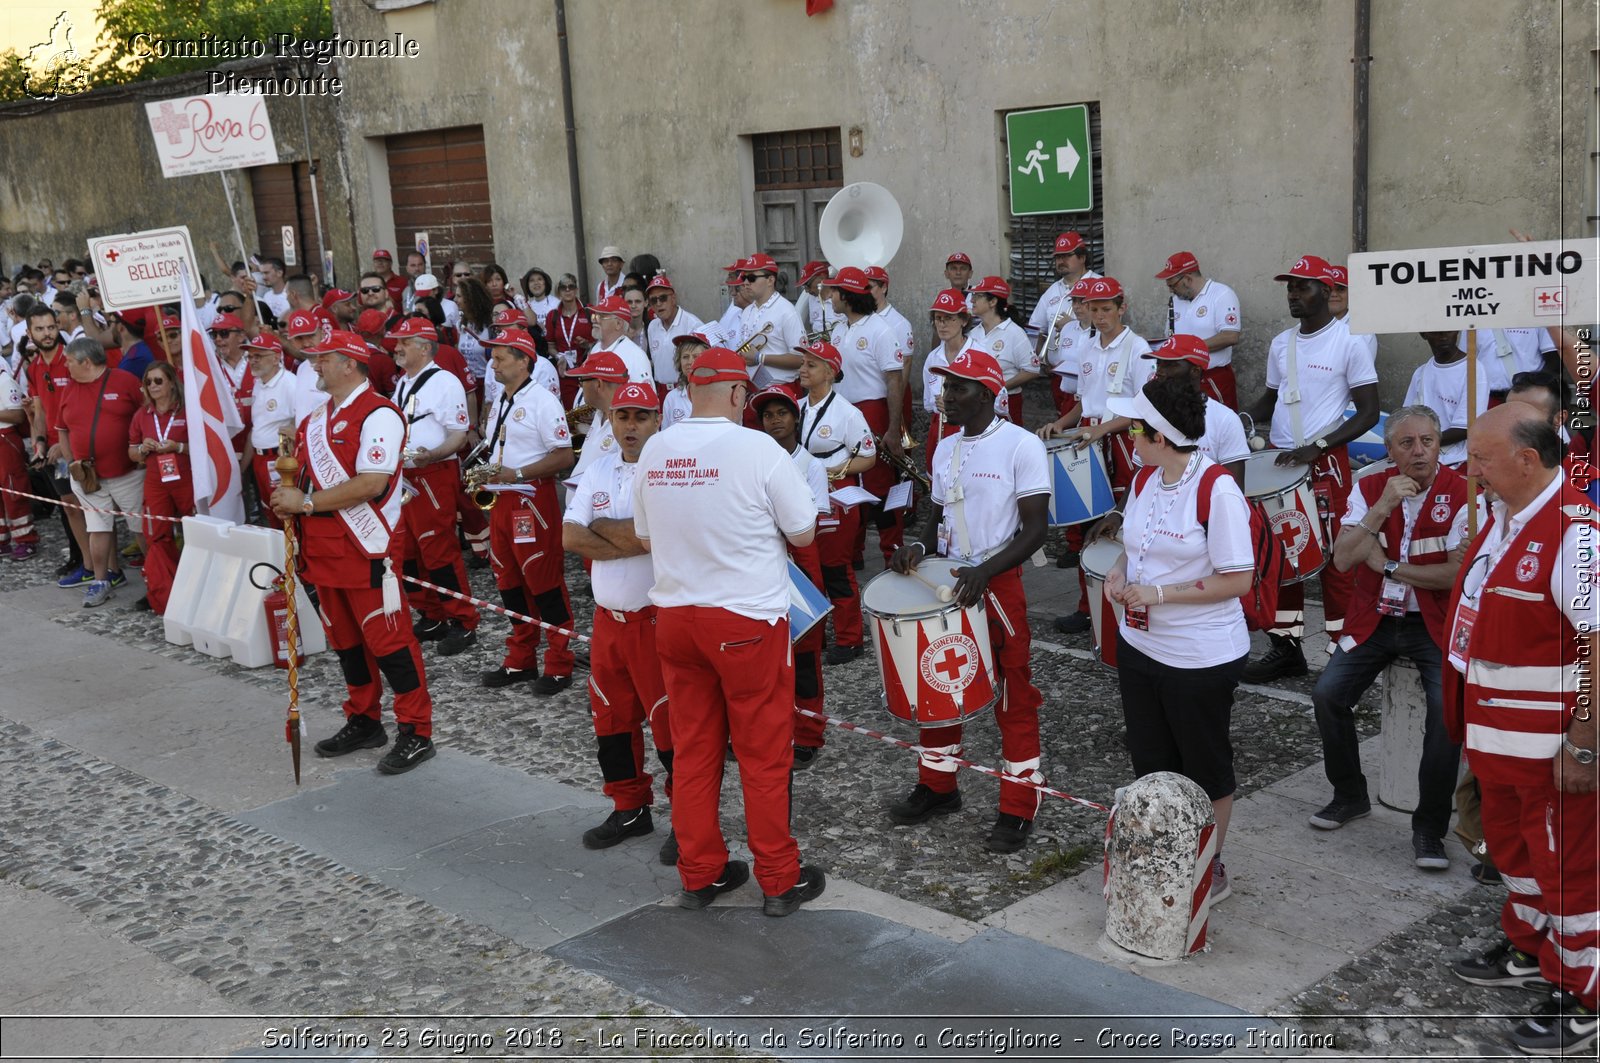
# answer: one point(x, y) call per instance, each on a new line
point(934, 657)
point(1285, 493)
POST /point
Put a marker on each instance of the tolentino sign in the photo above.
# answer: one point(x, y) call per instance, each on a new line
point(1548, 282)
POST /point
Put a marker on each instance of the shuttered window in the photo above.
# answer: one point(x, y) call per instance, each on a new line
point(282, 196)
point(439, 181)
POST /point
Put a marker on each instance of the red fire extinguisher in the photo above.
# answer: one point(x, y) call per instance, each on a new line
point(276, 603)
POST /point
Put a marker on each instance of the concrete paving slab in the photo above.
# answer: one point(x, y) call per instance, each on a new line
point(897, 980)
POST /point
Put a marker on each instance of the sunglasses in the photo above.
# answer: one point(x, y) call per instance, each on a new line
point(372, 291)
point(228, 309)
point(659, 300)
point(460, 276)
point(751, 277)
point(219, 333)
point(1138, 428)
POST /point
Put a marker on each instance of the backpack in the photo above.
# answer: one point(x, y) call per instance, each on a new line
point(1260, 602)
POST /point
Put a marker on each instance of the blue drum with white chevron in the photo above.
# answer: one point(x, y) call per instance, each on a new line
point(1369, 446)
point(1080, 488)
point(807, 604)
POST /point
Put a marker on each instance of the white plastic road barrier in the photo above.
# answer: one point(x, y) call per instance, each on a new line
point(216, 608)
point(1159, 846)
point(1405, 714)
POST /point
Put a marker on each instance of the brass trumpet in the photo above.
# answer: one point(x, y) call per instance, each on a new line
point(475, 479)
point(904, 465)
point(756, 342)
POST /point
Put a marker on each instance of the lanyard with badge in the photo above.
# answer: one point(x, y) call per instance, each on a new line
point(1393, 595)
point(166, 463)
point(821, 412)
point(523, 517)
point(1137, 617)
point(955, 510)
point(1467, 609)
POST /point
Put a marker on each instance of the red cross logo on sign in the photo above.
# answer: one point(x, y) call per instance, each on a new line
point(1550, 301)
point(171, 123)
point(112, 255)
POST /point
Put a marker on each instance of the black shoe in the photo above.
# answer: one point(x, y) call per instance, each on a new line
point(142, 605)
point(621, 824)
point(1074, 624)
point(1485, 874)
point(456, 639)
point(1283, 660)
point(669, 849)
point(504, 677)
point(1338, 812)
point(922, 803)
point(358, 732)
point(1067, 559)
point(841, 655)
point(734, 874)
point(1429, 852)
point(1561, 1026)
point(1009, 833)
point(67, 568)
point(410, 749)
point(546, 685)
point(805, 756)
point(1503, 966)
point(429, 630)
point(857, 566)
point(808, 887)
point(476, 561)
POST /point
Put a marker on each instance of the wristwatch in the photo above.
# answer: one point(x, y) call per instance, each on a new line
point(306, 505)
point(1321, 444)
point(1390, 568)
point(1579, 754)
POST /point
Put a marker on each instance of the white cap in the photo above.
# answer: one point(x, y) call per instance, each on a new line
point(610, 251)
point(1140, 408)
point(425, 282)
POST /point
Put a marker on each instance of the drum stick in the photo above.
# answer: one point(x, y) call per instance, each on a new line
point(940, 590)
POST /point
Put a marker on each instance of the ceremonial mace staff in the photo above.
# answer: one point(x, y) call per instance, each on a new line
point(288, 472)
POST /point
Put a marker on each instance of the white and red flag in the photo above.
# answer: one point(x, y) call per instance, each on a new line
point(213, 419)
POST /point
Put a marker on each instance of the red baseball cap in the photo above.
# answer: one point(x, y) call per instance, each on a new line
point(413, 328)
point(849, 279)
point(603, 365)
point(812, 269)
point(995, 286)
point(1081, 289)
point(975, 364)
point(718, 365)
point(381, 253)
point(615, 305)
point(959, 256)
point(1339, 276)
point(635, 396)
point(1183, 348)
point(1069, 243)
point(265, 342)
point(510, 317)
point(773, 394)
point(223, 322)
point(517, 339)
point(738, 266)
point(877, 274)
point(823, 351)
point(1310, 268)
point(371, 322)
point(336, 295)
point(170, 322)
point(301, 323)
point(694, 337)
point(342, 342)
point(1102, 288)
point(1179, 264)
point(760, 263)
point(660, 280)
point(950, 301)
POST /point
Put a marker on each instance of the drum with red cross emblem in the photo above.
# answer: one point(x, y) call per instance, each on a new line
point(934, 657)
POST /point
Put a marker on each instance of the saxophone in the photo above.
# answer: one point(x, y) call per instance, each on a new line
point(478, 470)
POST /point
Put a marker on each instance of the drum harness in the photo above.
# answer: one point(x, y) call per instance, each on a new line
point(1292, 400)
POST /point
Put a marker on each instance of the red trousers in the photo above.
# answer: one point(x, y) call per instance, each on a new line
point(370, 644)
point(1547, 847)
point(1219, 383)
point(428, 532)
point(730, 677)
point(1014, 407)
point(1330, 479)
point(16, 512)
point(1016, 713)
point(625, 692)
point(808, 656)
point(262, 465)
point(878, 480)
point(175, 499)
point(525, 549)
point(836, 547)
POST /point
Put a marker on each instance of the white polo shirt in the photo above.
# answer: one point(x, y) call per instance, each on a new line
point(832, 428)
point(663, 352)
point(1214, 309)
point(1055, 300)
point(1330, 363)
point(675, 407)
point(599, 442)
point(605, 491)
point(10, 397)
point(1366, 339)
point(1010, 347)
point(308, 398)
point(1443, 389)
point(544, 376)
point(787, 334)
point(716, 501)
point(869, 351)
point(1002, 464)
point(1067, 354)
point(534, 425)
point(1527, 348)
point(640, 370)
point(1115, 369)
point(433, 410)
point(1166, 544)
point(272, 409)
point(900, 329)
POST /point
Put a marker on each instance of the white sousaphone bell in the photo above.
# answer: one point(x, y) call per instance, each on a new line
point(861, 226)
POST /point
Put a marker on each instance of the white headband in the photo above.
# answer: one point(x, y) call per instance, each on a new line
point(1140, 408)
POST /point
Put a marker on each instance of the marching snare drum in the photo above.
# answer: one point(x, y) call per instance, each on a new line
point(1105, 615)
point(1284, 491)
point(1080, 487)
point(807, 604)
point(934, 657)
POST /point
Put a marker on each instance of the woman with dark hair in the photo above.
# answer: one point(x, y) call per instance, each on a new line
point(157, 438)
point(538, 295)
point(570, 335)
point(496, 282)
point(477, 317)
point(1181, 641)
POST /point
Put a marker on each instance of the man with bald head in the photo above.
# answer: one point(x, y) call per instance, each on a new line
point(1520, 691)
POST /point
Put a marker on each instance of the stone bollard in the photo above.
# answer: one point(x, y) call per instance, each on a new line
point(1405, 715)
point(1159, 846)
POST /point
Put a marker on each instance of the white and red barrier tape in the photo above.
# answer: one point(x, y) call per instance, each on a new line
point(90, 509)
point(498, 608)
